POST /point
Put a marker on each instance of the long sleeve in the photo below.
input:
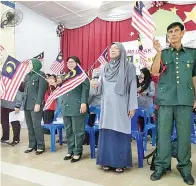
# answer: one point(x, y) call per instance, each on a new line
point(151, 90)
point(41, 89)
point(133, 104)
point(98, 91)
point(92, 94)
point(85, 91)
point(19, 99)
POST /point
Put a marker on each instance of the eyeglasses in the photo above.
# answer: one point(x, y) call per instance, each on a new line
point(71, 62)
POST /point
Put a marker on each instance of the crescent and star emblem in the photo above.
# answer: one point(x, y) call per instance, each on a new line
point(69, 74)
point(9, 69)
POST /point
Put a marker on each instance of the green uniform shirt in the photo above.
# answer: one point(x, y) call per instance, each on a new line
point(175, 86)
point(71, 101)
point(35, 88)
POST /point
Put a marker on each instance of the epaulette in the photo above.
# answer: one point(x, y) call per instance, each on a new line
point(188, 47)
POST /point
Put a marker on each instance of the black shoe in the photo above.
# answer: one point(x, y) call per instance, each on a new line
point(73, 160)
point(188, 179)
point(157, 175)
point(68, 157)
point(38, 152)
point(29, 150)
point(14, 143)
point(64, 141)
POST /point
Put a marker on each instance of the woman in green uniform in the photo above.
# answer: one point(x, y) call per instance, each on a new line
point(74, 110)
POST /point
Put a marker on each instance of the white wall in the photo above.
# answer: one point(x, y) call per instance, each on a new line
point(7, 38)
point(34, 35)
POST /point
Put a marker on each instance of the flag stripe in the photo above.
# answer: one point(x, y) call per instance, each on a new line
point(139, 19)
point(57, 67)
point(142, 27)
point(148, 18)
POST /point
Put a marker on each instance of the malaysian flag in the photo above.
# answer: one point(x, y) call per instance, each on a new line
point(40, 57)
point(142, 20)
point(103, 58)
point(143, 58)
point(58, 64)
point(73, 79)
point(13, 73)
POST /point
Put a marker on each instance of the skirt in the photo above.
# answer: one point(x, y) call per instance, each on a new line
point(114, 149)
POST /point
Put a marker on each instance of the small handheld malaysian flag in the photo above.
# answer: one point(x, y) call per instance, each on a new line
point(58, 65)
point(142, 20)
point(73, 79)
point(40, 57)
point(103, 59)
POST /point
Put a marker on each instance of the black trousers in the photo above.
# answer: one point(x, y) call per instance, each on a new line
point(6, 127)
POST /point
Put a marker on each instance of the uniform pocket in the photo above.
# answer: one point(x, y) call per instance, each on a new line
point(190, 85)
point(188, 64)
point(35, 81)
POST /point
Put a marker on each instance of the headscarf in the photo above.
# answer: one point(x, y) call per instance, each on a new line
point(147, 79)
point(120, 71)
point(37, 65)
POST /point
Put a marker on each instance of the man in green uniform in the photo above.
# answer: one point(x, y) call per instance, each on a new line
point(175, 97)
point(35, 88)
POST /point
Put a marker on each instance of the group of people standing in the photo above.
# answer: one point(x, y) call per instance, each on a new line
point(120, 93)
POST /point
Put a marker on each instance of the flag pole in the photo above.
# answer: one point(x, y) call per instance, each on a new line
point(92, 66)
point(39, 75)
point(84, 72)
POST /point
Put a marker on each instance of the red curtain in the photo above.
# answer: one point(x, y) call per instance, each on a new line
point(88, 42)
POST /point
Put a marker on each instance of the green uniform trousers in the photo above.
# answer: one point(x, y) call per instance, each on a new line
point(166, 117)
point(75, 130)
point(35, 131)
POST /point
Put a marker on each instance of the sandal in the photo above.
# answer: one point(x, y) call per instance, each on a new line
point(105, 168)
point(119, 170)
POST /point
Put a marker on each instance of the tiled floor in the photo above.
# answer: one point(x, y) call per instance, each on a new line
point(18, 168)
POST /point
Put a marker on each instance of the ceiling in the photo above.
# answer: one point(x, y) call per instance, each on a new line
point(66, 11)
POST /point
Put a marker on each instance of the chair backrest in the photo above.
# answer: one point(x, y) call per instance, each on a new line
point(57, 113)
point(96, 110)
point(193, 124)
point(150, 111)
point(134, 121)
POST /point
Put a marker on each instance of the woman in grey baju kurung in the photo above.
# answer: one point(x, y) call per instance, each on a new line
point(118, 89)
